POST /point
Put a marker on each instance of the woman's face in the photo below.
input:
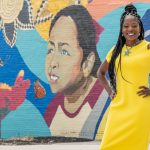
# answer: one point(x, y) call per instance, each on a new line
point(64, 57)
point(131, 29)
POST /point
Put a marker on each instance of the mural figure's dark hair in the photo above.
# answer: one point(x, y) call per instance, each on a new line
point(86, 33)
point(130, 9)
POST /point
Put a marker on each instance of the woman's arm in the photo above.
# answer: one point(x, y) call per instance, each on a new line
point(143, 90)
point(102, 78)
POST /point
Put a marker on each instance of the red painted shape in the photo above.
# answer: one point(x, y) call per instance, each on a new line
point(11, 98)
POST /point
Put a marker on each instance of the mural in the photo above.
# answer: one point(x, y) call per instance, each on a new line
point(50, 51)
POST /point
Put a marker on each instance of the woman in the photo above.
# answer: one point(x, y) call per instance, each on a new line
point(128, 65)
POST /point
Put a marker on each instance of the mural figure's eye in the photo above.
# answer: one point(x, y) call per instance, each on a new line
point(50, 51)
point(65, 52)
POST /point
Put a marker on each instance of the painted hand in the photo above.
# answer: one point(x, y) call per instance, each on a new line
point(11, 97)
point(144, 91)
point(18, 93)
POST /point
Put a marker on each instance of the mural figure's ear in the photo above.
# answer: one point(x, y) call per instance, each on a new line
point(88, 64)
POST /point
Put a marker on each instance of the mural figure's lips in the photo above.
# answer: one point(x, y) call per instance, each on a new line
point(53, 78)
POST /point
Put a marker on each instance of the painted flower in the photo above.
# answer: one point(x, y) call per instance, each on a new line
point(15, 14)
point(11, 97)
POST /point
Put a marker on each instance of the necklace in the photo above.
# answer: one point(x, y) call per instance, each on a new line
point(128, 51)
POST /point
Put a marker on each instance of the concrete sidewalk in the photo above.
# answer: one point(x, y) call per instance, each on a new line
point(94, 145)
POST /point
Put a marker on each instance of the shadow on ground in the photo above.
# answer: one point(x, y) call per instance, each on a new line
point(40, 140)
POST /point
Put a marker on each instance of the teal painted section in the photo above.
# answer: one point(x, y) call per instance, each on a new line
point(25, 121)
point(33, 50)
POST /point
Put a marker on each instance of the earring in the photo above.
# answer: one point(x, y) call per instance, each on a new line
point(122, 35)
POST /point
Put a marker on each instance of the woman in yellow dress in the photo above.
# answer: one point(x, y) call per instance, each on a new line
point(128, 66)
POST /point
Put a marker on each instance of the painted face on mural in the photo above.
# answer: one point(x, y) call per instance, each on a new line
point(64, 57)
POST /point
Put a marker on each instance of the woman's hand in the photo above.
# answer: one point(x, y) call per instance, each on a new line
point(112, 94)
point(144, 91)
point(148, 46)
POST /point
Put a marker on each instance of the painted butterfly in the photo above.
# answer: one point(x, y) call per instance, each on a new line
point(39, 90)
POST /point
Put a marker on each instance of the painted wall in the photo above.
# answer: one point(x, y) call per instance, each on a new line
point(42, 94)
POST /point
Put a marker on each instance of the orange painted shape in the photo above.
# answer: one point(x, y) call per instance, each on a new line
point(99, 8)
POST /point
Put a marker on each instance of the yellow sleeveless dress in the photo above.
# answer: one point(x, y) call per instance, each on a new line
point(128, 122)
